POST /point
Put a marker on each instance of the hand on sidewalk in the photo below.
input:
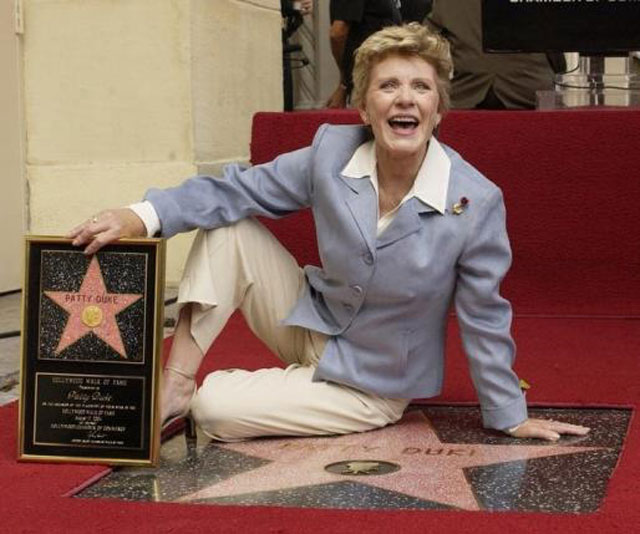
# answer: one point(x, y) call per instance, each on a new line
point(547, 429)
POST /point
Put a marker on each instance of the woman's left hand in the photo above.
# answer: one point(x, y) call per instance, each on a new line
point(547, 429)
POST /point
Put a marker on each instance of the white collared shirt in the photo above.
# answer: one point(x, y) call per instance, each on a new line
point(149, 216)
point(430, 185)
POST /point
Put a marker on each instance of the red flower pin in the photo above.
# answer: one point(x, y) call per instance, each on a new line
point(460, 206)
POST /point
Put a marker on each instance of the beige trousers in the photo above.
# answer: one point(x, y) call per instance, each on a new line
point(244, 266)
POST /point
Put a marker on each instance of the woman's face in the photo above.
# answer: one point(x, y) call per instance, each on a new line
point(401, 105)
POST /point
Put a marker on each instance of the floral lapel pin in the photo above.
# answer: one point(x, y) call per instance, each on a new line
point(460, 206)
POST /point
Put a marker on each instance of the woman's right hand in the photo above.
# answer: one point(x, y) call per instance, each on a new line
point(106, 227)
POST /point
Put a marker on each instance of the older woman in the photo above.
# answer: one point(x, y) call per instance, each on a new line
point(404, 226)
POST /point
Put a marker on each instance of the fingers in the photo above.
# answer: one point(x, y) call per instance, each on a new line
point(100, 240)
point(85, 232)
point(82, 227)
point(74, 232)
point(567, 428)
point(538, 432)
point(105, 228)
point(548, 429)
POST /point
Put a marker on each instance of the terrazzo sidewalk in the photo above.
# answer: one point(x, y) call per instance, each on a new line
point(436, 457)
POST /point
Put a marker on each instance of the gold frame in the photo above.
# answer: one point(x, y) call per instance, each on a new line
point(153, 368)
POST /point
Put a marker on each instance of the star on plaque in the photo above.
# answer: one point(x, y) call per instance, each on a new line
point(92, 310)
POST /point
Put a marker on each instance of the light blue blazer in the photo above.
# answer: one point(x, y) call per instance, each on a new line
point(383, 300)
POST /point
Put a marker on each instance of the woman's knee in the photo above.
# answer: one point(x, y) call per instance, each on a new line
point(218, 411)
point(241, 230)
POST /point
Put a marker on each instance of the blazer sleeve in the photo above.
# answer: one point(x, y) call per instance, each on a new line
point(273, 190)
point(485, 317)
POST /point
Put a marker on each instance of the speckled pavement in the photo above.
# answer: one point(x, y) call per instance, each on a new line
point(434, 458)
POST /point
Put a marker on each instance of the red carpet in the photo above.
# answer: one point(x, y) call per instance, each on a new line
point(570, 180)
point(571, 187)
point(568, 361)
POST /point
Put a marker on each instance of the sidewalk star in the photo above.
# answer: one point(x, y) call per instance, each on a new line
point(430, 468)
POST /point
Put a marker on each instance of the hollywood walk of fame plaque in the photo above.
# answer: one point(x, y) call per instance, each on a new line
point(91, 349)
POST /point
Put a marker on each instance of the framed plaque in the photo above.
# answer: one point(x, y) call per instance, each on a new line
point(91, 352)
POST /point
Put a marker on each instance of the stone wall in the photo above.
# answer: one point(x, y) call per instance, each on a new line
point(121, 95)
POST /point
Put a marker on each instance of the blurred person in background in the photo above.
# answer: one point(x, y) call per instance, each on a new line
point(352, 21)
point(489, 81)
point(414, 10)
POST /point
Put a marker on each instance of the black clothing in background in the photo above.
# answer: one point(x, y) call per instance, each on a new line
point(415, 10)
point(364, 17)
point(487, 80)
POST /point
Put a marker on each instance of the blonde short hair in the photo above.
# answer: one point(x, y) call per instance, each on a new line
point(411, 39)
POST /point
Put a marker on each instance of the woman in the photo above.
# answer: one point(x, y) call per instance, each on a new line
point(404, 227)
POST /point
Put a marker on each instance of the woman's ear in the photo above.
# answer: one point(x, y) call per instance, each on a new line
point(364, 115)
point(436, 124)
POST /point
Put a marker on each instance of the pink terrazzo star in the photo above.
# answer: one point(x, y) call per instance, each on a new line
point(92, 309)
point(430, 469)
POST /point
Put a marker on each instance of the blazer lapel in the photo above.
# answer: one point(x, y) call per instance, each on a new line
point(362, 205)
point(406, 222)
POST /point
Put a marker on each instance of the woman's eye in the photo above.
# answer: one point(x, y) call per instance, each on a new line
point(388, 85)
point(422, 86)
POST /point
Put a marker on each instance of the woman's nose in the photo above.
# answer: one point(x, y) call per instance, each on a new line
point(405, 95)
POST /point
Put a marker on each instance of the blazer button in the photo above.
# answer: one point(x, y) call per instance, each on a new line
point(348, 308)
point(357, 290)
point(367, 257)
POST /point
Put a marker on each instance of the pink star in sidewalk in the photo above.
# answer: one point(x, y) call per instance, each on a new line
point(429, 468)
point(92, 310)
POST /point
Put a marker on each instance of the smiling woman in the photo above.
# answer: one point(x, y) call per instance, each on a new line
point(401, 106)
point(401, 90)
point(404, 228)
point(410, 40)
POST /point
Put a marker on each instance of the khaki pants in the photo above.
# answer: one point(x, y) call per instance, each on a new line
point(244, 266)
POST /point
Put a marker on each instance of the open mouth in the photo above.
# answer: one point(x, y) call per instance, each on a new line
point(403, 124)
